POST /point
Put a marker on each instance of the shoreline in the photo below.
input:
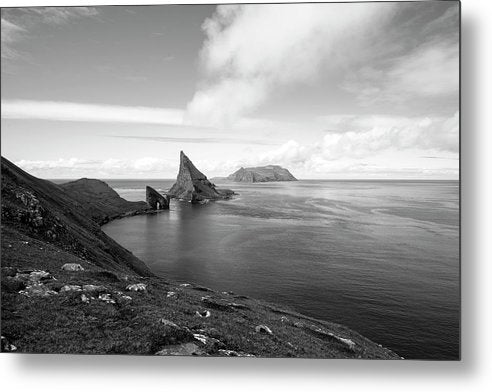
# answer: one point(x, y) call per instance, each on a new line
point(102, 299)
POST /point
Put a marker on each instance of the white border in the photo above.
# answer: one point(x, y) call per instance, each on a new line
point(121, 373)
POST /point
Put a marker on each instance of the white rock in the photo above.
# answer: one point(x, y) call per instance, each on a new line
point(38, 275)
point(70, 287)
point(85, 298)
point(106, 298)
point(181, 349)
point(37, 290)
point(92, 287)
point(200, 337)
point(170, 294)
point(346, 341)
point(72, 267)
point(137, 287)
point(263, 329)
point(232, 353)
point(168, 323)
point(204, 314)
point(6, 345)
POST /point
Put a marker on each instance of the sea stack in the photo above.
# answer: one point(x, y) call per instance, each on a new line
point(192, 185)
point(268, 173)
point(155, 199)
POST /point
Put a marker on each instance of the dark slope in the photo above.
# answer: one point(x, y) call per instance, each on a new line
point(47, 212)
point(100, 201)
point(261, 174)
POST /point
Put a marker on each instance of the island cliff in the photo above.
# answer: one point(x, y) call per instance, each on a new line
point(68, 288)
point(261, 174)
point(100, 202)
point(155, 200)
point(192, 185)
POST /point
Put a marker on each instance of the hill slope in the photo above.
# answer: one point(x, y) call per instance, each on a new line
point(100, 201)
point(45, 211)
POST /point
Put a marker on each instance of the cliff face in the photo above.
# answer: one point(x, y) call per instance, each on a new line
point(155, 200)
point(262, 174)
point(99, 200)
point(193, 185)
point(48, 212)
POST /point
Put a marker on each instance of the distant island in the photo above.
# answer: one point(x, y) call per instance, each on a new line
point(268, 173)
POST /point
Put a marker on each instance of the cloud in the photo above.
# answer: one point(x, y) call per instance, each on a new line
point(385, 54)
point(252, 49)
point(81, 112)
point(144, 167)
point(60, 15)
point(361, 139)
point(20, 23)
point(415, 64)
point(79, 167)
point(364, 135)
point(430, 71)
point(200, 140)
point(10, 33)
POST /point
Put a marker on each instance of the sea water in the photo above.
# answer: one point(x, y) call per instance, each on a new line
point(381, 257)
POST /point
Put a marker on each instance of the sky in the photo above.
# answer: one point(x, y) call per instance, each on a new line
point(329, 91)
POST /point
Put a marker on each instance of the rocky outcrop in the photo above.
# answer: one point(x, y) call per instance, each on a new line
point(262, 174)
point(155, 200)
point(101, 202)
point(192, 185)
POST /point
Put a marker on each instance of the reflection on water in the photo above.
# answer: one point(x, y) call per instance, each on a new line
point(380, 257)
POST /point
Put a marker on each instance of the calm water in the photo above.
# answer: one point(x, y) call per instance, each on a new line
point(381, 257)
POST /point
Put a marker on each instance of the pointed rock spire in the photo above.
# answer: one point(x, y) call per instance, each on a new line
point(193, 185)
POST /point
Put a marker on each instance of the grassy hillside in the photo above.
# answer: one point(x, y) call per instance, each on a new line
point(100, 201)
point(47, 212)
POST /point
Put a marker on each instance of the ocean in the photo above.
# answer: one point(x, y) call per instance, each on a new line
point(381, 257)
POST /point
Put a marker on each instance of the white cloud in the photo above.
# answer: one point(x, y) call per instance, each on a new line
point(111, 167)
point(70, 111)
point(19, 23)
point(356, 141)
point(10, 33)
point(144, 167)
point(365, 135)
point(357, 147)
point(252, 49)
point(429, 71)
point(61, 15)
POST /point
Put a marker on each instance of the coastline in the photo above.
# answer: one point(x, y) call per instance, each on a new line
point(103, 300)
